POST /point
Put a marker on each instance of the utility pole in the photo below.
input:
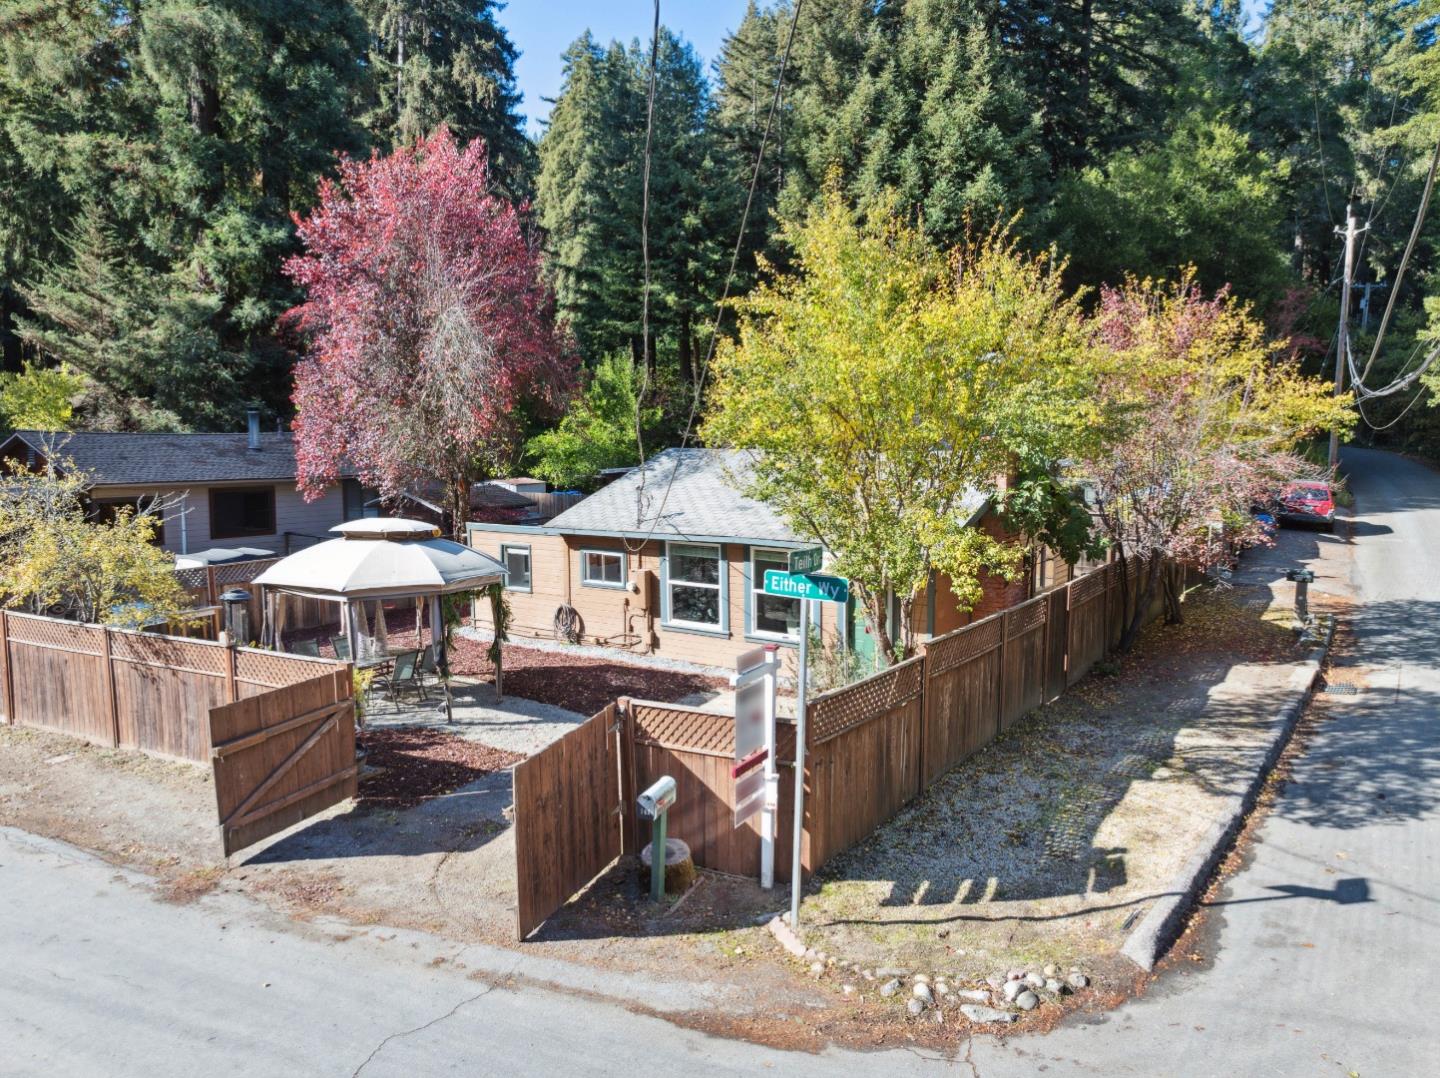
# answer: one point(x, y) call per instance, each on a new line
point(1342, 335)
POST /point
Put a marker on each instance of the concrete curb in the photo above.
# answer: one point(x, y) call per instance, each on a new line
point(1161, 926)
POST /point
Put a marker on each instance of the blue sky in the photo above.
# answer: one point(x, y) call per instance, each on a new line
point(543, 29)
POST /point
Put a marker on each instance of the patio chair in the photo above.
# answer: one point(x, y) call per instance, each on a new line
point(428, 666)
point(341, 646)
point(404, 675)
point(309, 648)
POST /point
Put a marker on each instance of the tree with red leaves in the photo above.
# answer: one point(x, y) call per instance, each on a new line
point(1203, 414)
point(429, 326)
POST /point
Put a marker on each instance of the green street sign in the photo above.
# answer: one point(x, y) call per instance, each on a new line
point(824, 589)
point(807, 560)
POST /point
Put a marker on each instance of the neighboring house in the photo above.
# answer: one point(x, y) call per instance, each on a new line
point(229, 490)
point(677, 569)
point(496, 501)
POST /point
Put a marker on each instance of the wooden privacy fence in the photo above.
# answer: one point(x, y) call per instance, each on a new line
point(871, 748)
point(132, 690)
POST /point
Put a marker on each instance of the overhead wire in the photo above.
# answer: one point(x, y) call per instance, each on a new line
point(720, 304)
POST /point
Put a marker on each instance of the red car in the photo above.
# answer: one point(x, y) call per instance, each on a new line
point(1307, 502)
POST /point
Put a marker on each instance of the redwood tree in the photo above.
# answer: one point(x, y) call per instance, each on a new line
point(430, 330)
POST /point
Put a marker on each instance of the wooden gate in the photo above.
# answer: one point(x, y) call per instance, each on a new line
point(569, 817)
point(282, 756)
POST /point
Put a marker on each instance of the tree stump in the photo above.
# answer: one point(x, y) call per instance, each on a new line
point(679, 867)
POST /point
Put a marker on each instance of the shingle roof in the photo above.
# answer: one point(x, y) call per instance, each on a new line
point(704, 501)
point(125, 459)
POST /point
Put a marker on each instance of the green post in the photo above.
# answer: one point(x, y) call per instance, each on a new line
point(657, 857)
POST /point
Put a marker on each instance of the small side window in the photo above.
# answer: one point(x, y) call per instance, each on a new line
point(516, 560)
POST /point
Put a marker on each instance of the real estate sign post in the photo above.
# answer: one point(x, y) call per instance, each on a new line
point(757, 779)
point(807, 588)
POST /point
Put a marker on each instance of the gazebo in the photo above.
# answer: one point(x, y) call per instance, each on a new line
point(376, 560)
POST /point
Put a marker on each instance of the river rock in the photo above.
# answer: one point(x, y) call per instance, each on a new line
point(889, 988)
point(1051, 970)
point(977, 1013)
point(915, 1007)
point(1027, 1000)
point(1034, 980)
point(1057, 987)
point(891, 971)
point(1078, 980)
point(923, 994)
point(1012, 990)
point(973, 995)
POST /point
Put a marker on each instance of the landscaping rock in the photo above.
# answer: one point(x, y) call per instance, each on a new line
point(973, 995)
point(921, 978)
point(890, 971)
point(977, 1013)
point(1027, 1000)
point(923, 994)
point(890, 987)
point(817, 968)
point(1015, 975)
point(1078, 980)
point(941, 988)
point(996, 982)
point(1034, 980)
point(1013, 989)
point(1051, 971)
point(1057, 987)
point(868, 974)
point(915, 1007)
point(848, 989)
point(811, 954)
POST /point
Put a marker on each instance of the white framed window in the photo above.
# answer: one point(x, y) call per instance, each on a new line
point(694, 586)
point(516, 560)
point(771, 616)
point(602, 568)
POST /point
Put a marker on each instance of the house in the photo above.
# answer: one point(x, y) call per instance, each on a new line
point(230, 491)
point(670, 558)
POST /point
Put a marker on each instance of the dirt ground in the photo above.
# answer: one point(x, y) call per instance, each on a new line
point(1041, 848)
point(1049, 845)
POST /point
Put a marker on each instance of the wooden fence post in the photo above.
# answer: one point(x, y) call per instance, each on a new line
point(9, 681)
point(1004, 671)
point(109, 673)
point(924, 714)
point(231, 692)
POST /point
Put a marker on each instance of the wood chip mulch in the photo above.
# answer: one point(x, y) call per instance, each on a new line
point(407, 766)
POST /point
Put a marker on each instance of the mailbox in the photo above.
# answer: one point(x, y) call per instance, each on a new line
point(658, 797)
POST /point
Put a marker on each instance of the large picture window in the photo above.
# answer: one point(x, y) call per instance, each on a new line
point(516, 560)
point(771, 616)
point(236, 512)
point(696, 597)
point(602, 568)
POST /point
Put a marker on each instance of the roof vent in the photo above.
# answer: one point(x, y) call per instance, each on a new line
point(252, 419)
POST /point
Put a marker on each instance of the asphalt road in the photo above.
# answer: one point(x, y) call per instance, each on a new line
point(1324, 946)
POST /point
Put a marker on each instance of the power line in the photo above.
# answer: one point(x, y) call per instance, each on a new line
point(703, 372)
point(1404, 260)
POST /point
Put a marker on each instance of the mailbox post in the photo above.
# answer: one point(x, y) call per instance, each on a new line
point(1302, 579)
point(655, 803)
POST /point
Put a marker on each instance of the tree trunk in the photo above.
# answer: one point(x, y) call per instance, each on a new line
point(1153, 574)
point(875, 608)
point(1174, 587)
point(687, 350)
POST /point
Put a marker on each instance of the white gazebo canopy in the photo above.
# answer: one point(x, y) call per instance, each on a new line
point(383, 558)
point(375, 560)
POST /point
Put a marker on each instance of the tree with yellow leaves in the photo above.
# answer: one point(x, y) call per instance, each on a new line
point(883, 384)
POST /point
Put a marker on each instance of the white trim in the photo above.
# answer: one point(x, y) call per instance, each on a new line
point(720, 626)
point(529, 567)
point(612, 585)
point(752, 607)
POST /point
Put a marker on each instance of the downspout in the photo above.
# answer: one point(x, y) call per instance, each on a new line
point(184, 512)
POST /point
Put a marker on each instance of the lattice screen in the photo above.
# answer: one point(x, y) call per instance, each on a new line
point(1027, 616)
point(156, 650)
point(683, 728)
point(959, 647)
point(57, 634)
point(242, 572)
point(833, 714)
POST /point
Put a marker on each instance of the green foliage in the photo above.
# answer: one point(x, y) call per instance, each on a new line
point(39, 398)
point(55, 561)
point(882, 384)
point(1201, 198)
point(597, 432)
point(1049, 509)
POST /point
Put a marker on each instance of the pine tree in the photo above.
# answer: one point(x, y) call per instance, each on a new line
point(447, 62)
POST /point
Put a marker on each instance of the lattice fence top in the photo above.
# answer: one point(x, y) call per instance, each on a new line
point(154, 650)
point(684, 728)
point(957, 648)
point(1027, 616)
point(58, 634)
point(1088, 586)
point(242, 572)
point(843, 709)
point(192, 579)
point(277, 671)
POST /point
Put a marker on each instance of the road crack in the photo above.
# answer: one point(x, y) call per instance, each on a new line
point(421, 1028)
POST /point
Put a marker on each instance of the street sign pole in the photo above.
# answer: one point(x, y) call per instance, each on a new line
point(799, 765)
